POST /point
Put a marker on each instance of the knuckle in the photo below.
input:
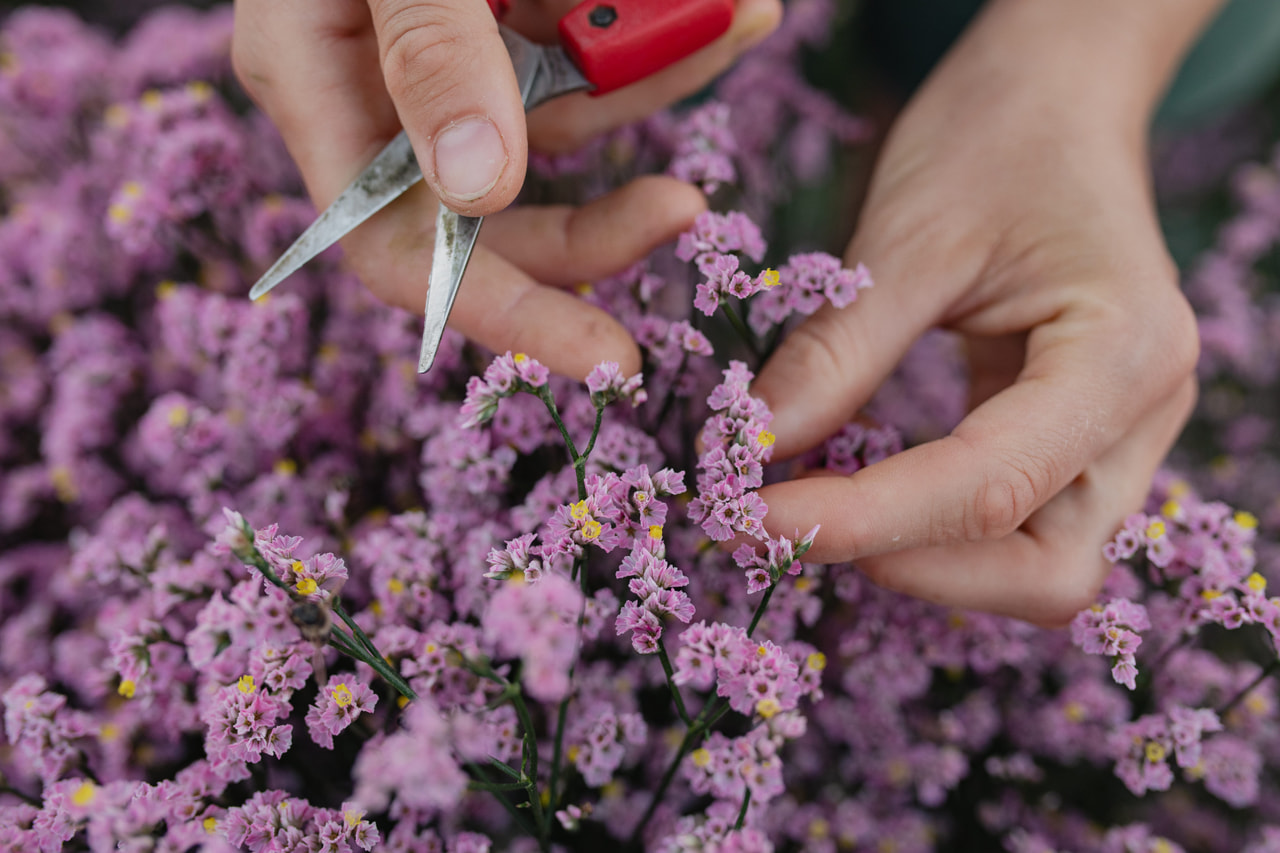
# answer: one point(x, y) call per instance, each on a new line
point(416, 50)
point(818, 348)
point(1004, 501)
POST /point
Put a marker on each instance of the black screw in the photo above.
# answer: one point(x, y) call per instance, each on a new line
point(602, 16)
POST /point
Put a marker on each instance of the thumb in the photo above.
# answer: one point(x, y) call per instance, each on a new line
point(455, 92)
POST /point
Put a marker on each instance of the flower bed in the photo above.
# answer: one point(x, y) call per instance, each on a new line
point(264, 587)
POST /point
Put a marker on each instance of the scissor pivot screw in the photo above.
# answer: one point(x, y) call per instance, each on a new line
point(602, 16)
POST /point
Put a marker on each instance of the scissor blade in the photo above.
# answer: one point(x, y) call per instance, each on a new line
point(455, 238)
point(556, 76)
point(392, 172)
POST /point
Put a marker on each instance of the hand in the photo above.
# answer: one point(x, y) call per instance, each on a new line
point(339, 78)
point(1012, 205)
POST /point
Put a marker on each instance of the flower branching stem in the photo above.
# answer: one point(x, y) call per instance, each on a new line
point(1266, 673)
point(711, 713)
point(355, 645)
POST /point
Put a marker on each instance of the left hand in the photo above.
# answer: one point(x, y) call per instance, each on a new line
point(1011, 204)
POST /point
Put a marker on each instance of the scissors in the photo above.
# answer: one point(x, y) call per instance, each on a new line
point(604, 45)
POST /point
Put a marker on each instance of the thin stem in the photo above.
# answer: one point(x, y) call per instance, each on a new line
point(595, 433)
point(1239, 697)
point(544, 394)
point(710, 714)
point(558, 749)
point(495, 787)
point(520, 819)
point(531, 749)
point(735, 320)
point(356, 630)
point(347, 645)
point(764, 602)
point(671, 682)
point(670, 399)
point(742, 814)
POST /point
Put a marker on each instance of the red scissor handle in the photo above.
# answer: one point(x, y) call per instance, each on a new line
point(617, 42)
point(499, 7)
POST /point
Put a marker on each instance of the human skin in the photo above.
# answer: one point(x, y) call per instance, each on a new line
point(1012, 204)
point(339, 78)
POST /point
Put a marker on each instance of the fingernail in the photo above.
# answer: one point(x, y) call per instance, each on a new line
point(470, 158)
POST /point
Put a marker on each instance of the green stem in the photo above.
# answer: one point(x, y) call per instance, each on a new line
point(670, 399)
point(521, 820)
point(356, 630)
point(710, 714)
point(1239, 697)
point(764, 602)
point(544, 394)
point(558, 749)
point(496, 787)
point(742, 815)
point(671, 682)
point(735, 320)
point(531, 751)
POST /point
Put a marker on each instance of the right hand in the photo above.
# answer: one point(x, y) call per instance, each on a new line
point(339, 78)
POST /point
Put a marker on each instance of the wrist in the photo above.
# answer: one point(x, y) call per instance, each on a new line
point(1107, 60)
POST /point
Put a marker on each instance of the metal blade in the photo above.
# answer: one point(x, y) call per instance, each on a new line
point(556, 76)
point(393, 171)
point(455, 238)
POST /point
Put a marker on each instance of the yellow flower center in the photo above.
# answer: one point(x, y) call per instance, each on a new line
point(1170, 508)
point(770, 278)
point(766, 439)
point(1210, 594)
point(84, 794)
point(285, 467)
point(395, 586)
point(343, 696)
point(767, 708)
point(1155, 752)
point(1246, 520)
point(307, 586)
point(590, 529)
point(520, 358)
point(817, 661)
point(211, 825)
point(655, 531)
point(246, 685)
point(701, 757)
point(127, 688)
point(1256, 582)
point(1074, 712)
point(579, 510)
point(1155, 529)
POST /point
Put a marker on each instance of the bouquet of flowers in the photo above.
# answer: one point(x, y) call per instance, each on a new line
point(263, 587)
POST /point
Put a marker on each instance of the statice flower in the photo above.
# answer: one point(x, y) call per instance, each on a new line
point(506, 375)
point(606, 384)
point(658, 587)
point(1112, 630)
point(42, 727)
point(803, 285)
point(738, 444)
point(537, 623)
point(705, 148)
point(415, 766)
point(339, 704)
